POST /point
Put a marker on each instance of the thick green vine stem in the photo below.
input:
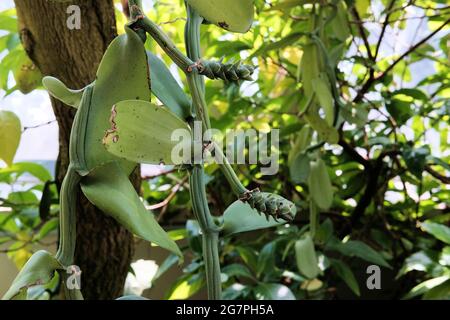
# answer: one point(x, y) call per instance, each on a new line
point(269, 204)
point(67, 232)
point(142, 22)
point(69, 191)
point(195, 81)
point(210, 231)
point(229, 71)
point(238, 188)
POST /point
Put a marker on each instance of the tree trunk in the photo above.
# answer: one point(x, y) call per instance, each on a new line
point(104, 249)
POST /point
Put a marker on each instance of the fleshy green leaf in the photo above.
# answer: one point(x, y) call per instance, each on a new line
point(123, 74)
point(109, 189)
point(60, 91)
point(235, 291)
point(39, 269)
point(10, 133)
point(232, 15)
point(147, 133)
point(166, 88)
point(240, 217)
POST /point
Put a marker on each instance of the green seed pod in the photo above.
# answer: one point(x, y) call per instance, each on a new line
point(231, 72)
point(270, 204)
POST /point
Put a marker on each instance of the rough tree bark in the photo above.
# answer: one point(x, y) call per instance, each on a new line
point(104, 249)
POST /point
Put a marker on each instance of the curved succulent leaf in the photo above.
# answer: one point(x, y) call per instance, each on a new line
point(142, 132)
point(39, 269)
point(167, 89)
point(123, 74)
point(57, 89)
point(110, 190)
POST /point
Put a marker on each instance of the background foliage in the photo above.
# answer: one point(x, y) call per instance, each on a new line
point(387, 160)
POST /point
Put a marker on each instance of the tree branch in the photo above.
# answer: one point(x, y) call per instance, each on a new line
point(437, 175)
point(372, 80)
point(383, 29)
point(412, 49)
point(362, 33)
point(354, 154)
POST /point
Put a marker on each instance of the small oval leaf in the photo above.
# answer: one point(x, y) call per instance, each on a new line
point(10, 133)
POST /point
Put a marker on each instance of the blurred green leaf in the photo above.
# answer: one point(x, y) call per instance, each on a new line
point(306, 258)
point(273, 291)
point(439, 231)
point(38, 270)
point(346, 274)
point(358, 249)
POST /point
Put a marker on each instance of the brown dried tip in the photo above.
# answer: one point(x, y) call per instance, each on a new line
point(113, 129)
